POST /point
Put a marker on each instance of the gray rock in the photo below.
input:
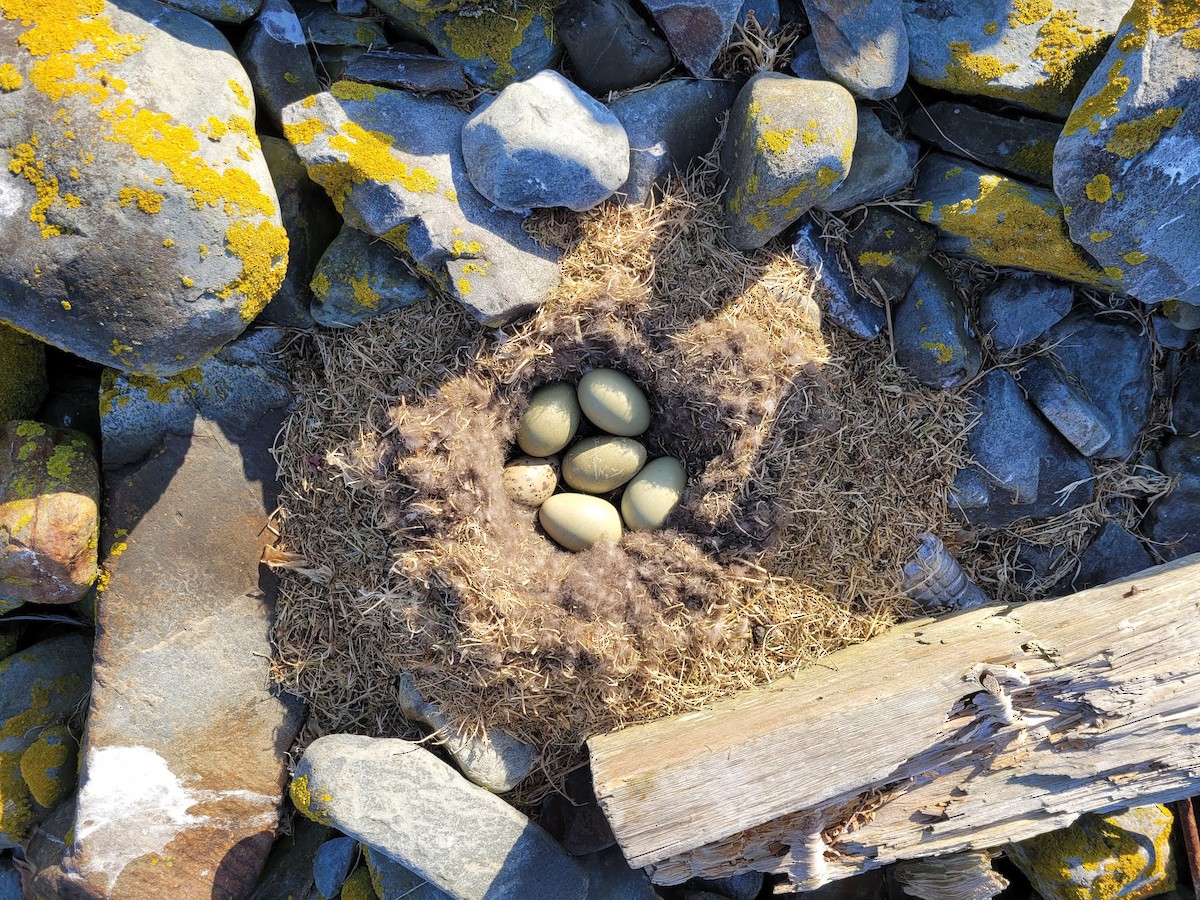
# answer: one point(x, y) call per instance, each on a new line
point(332, 863)
point(1110, 360)
point(765, 13)
point(1066, 406)
point(495, 760)
point(421, 73)
point(1113, 554)
point(289, 869)
point(324, 26)
point(40, 688)
point(1021, 145)
point(276, 58)
point(746, 886)
point(454, 834)
point(1174, 521)
point(881, 165)
point(419, 198)
point(1126, 165)
point(360, 277)
point(1182, 315)
point(668, 126)
point(352, 7)
point(495, 48)
point(1185, 407)
point(889, 248)
point(10, 880)
point(610, 877)
point(543, 143)
point(146, 233)
point(1168, 335)
point(575, 818)
point(843, 305)
point(696, 29)
point(1019, 309)
point(788, 146)
point(932, 335)
point(863, 45)
point(393, 880)
point(311, 223)
point(1019, 465)
point(610, 46)
point(220, 10)
point(48, 843)
point(1033, 55)
point(984, 215)
point(807, 61)
point(198, 784)
point(73, 403)
point(1035, 563)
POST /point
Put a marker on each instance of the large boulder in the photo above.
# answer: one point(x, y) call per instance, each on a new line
point(393, 165)
point(862, 45)
point(141, 226)
point(1032, 53)
point(1126, 166)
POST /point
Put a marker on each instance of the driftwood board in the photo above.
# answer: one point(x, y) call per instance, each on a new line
point(967, 732)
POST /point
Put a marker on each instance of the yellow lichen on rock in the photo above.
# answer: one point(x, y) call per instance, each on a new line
point(369, 158)
point(494, 37)
point(974, 73)
point(262, 248)
point(307, 802)
point(25, 162)
point(359, 886)
point(1163, 17)
point(48, 766)
point(1099, 189)
point(304, 132)
point(10, 78)
point(1131, 138)
point(149, 202)
point(354, 90)
point(1090, 112)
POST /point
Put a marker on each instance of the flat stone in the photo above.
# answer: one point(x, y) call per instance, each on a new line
point(352, 7)
point(391, 879)
point(881, 165)
point(288, 872)
point(411, 189)
point(49, 514)
point(842, 305)
point(1182, 315)
point(1035, 55)
point(1066, 406)
point(543, 143)
point(1110, 360)
point(984, 215)
point(863, 45)
point(1127, 163)
point(696, 29)
point(1020, 145)
point(806, 63)
point(609, 876)
point(325, 26)
point(1019, 465)
point(332, 862)
point(181, 799)
point(575, 819)
point(275, 54)
point(1113, 554)
point(1185, 408)
point(421, 73)
point(1020, 308)
point(610, 46)
point(454, 834)
point(788, 147)
point(40, 688)
point(1173, 522)
point(494, 760)
point(669, 126)
point(889, 248)
point(23, 384)
point(220, 10)
point(146, 233)
point(933, 338)
point(360, 277)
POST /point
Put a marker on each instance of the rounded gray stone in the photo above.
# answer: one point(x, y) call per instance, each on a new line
point(544, 143)
point(1019, 309)
point(932, 335)
point(863, 45)
point(360, 277)
point(881, 165)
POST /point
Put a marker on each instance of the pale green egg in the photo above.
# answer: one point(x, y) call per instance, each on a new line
point(653, 493)
point(613, 403)
point(530, 480)
point(577, 521)
point(598, 465)
point(550, 421)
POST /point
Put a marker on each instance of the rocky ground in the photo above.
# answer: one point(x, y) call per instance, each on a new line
point(1007, 192)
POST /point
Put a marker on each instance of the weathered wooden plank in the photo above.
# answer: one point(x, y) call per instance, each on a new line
point(980, 728)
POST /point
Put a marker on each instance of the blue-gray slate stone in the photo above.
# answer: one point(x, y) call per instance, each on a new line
point(220, 10)
point(695, 29)
point(765, 13)
point(1066, 406)
point(842, 305)
point(544, 143)
point(574, 817)
point(332, 863)
point(932, 335)
point(10, 880)
point(610, 46)
point(391, 879)
point(275, 54)
point(360, 277)
point(1114, 553)
point(889, 248)
point(288, 872)
point(863, 45)
point(1019, 464)
point(421, 73)
point(1174, 520)
point(881, 165)
point(1022, 145)
point(1020, 308)
point(807, 61)
point(1185, 408)
point(668, 126)
point(746, 886)
point(610, 877)
point(1127, 166)
point(1168, 334)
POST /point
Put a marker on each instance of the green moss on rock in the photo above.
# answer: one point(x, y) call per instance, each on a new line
point(22, 374)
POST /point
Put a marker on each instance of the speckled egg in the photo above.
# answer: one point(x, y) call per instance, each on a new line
point(653, 493)
point(577, 521)
point(613, 403)
point(551, 420)
point(529, 480)
point(597, 465)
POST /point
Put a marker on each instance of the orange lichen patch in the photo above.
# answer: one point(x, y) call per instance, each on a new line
point(368, 159)
point(353, 90)
point(1131, 138)
point(1090, 112)
point(1164, 18)
point(149, 202)
point(303, 132)
point(262, 248)
point(10, 78)
point(1026, 12)
point(1099, 189)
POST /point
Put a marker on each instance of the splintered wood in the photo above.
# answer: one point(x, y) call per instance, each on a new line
point(966, 733)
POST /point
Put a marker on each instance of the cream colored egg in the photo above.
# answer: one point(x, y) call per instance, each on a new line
point(529, 480)
point(613, 402)
point(653, 493)
point(598, 465)
point(550, 421)
point(577, 521)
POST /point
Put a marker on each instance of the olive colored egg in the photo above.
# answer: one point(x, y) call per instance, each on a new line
point(653, 493)
point(598, 465)
point(550, 421)
point(577, 521)
point(529, 480)
point(612, 402)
